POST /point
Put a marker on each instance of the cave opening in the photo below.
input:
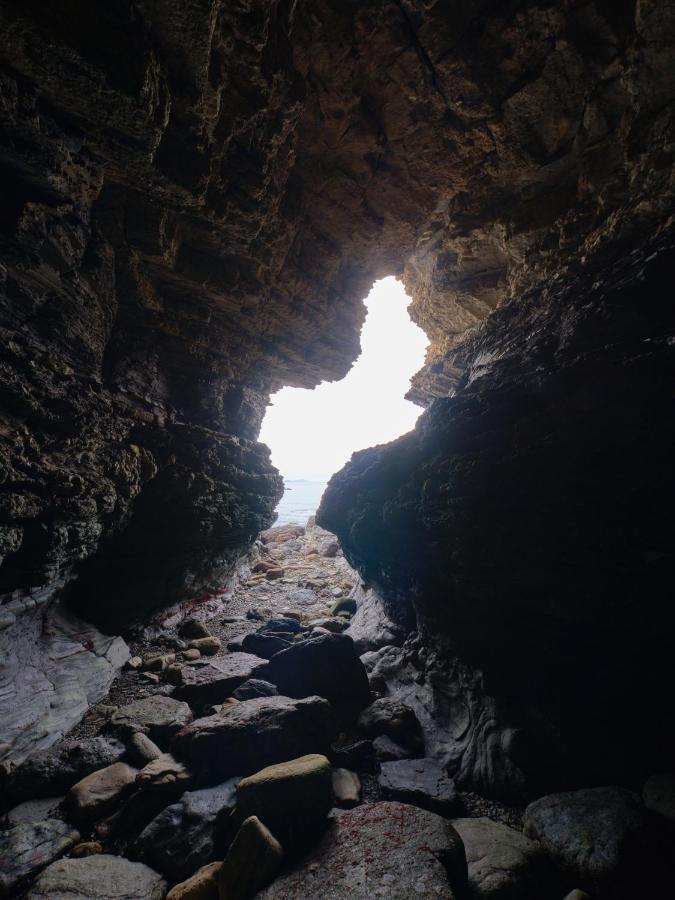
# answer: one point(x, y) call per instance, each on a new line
point(313, 433)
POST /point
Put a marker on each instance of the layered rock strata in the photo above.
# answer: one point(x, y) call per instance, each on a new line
point(196, 197)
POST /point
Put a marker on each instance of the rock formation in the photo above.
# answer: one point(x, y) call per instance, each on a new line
point(196, 197)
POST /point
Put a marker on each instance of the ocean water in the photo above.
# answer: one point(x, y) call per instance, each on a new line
point(300, 501)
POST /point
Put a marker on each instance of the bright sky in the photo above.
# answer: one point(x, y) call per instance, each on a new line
point(312, 434)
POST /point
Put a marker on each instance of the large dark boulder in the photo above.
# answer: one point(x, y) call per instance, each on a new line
point(256, 733)
point(326, 665)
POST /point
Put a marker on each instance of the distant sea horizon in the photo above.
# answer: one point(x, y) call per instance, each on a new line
point(300, 500)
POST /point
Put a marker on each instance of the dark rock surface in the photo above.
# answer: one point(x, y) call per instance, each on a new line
point(421, 782)
point(503, 863)
point(183, 837)
point(379, 849)
point(604, 841)
point(326, 666)
point(56, 770)
point(216, 681)
point(256, 733)
point(196, 196)
point(26, 849)
point(157, 716)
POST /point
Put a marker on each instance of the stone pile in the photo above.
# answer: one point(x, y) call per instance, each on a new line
point(291, 776)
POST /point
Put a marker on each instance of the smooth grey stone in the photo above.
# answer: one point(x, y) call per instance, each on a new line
point(422, 782)
point(100, 877)
point(27, 848)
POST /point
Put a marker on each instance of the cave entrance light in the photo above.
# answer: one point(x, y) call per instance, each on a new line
point(313, 433)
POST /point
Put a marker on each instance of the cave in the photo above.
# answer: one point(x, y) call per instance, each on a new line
point(457, 679)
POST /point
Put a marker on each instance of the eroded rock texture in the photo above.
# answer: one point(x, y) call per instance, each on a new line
point(197, 195)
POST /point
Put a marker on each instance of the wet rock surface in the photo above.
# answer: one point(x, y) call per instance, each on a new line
point(27, 848)
point(421, 782)
point(380, 849)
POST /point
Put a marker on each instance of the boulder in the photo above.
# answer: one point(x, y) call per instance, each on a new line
point(421, 782)
point(603, 841)
point(578, 895)
point(393, 718)
point(203, 885)
point(164, 774)
point(371, 626)
point(33, 811)
point(658, 794)
point(263, 645)
point(207, 646)
point(27, 848)
point(503, 863)
point(256, 733)
point(99, 793)
point(215, 682)
point(346, 788)
point(379, 850)
point(344, 605)
point(53, 771)
point(183, 837)
point(192, 628)
point(387, 750)
point(327, 666)
point(142, 749)
point(157, 716)
point(255, 687)
point(291, 798)
point(251, 862)
point(281, 625)
point(100, 877)
point(329, 623)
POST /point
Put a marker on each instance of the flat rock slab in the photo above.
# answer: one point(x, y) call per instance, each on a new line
point(101, 877)
point(387, 850)
point(28, 848)
point(157, 716)
point(253, 734)
point(503, 863)
point(421, 782)
point(216, 681)
point(603, 840)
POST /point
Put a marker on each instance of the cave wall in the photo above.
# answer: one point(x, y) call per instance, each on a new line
point(197, 195)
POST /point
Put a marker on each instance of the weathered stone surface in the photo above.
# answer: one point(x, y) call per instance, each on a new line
point(203, 885)
point(387, 750)
point(216, 681)
point(29, 847)
point(255, 687)
point(371, 627)
point(99, 793)
point(86, 848)
point(58, 769)
point(157, 716)
point(602, 839)
point(346, 788)
point(658, 794)
point(503, 863)
point(393, 718)
point(33, 811)
point(164, 774)
point(143, 749)
point(290, 798)
point(182, 837)
point(251, 862)
point(379, 849)
point(422, 782)
point(263, 645)
point(257, 733)
point(101, 877)
point(327, 666)
point(191, 628)
point(53, 667)
point(207, 646)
